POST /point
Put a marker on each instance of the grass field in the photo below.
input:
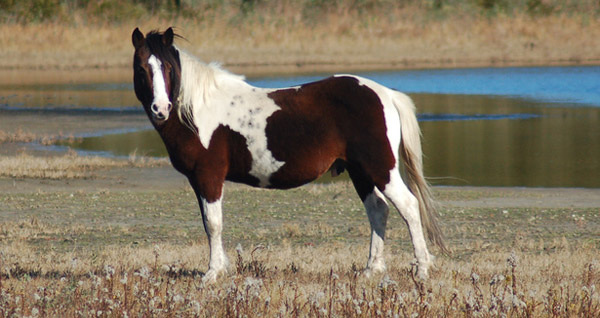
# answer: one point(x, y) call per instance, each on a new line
point(140, 253)
point(291, 36)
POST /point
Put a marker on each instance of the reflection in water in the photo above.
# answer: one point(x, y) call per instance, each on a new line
point(142, 143)
point(560, 148)
point(472, 140)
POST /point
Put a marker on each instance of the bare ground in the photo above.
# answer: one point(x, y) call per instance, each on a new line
point(155, 179)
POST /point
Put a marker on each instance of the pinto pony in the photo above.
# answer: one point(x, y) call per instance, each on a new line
point(217, 127)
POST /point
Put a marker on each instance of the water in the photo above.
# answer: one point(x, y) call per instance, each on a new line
point(579, 85)
point(534, 126)
point(542, 146)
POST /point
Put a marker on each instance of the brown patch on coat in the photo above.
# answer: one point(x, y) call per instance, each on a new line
point(324, 122)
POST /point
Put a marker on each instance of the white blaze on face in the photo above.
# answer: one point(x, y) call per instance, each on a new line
point(160, 104)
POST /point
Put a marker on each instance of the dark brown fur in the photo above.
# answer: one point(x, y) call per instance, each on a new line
point(309, 137)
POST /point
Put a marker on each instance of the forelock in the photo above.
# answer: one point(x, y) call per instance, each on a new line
point(157, 47)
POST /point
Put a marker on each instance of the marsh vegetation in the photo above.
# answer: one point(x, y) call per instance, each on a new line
point(305, 35)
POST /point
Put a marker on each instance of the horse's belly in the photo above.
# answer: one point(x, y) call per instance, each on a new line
point(264, 165)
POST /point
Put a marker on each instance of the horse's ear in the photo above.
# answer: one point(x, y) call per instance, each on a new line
point(137, 38)
point(167, 37)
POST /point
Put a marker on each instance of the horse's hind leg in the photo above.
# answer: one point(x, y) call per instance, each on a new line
point(377, 212)
point(408, 206)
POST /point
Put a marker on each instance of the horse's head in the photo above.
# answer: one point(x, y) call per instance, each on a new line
point(156, 73)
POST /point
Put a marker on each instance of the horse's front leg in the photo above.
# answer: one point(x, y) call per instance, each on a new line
point(213, 225)
point(212, 217)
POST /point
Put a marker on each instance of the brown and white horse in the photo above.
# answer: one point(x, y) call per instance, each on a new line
point(217, 127)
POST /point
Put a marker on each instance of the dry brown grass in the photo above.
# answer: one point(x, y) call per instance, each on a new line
point(67, 166)
point(22, 136)
point(294, 281)
point(17, 136)
point(121, 253)
point(341, 37)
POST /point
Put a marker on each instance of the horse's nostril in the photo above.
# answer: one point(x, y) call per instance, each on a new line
point(169, 107)
point(154, 108)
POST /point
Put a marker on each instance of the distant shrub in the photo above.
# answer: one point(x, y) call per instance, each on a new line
point(311, 12)
point(32, 10)
point(116, 10)
point(539, 7)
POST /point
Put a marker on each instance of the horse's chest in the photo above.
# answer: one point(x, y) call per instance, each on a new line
point(248, 117)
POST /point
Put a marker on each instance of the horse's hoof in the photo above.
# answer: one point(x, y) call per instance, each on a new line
point(370, 272)
point(210, 277)
point(422, 273)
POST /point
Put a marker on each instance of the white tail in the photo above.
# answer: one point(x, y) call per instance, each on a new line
point(412, 157)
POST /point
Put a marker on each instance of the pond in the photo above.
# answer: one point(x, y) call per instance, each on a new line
point(530, 126)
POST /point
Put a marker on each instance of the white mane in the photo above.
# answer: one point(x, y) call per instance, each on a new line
point(199, 82)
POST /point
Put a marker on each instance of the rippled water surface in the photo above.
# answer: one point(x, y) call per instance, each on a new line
point(537, 126)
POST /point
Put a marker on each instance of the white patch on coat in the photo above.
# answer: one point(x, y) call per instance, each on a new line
point(159, 88)
point(211, 97)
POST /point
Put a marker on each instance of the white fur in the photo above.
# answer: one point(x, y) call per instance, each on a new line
point(410, 131)
point(408, 206)
point(397, 191)
point(211, 96)
point(213, 223)
point(161, 99)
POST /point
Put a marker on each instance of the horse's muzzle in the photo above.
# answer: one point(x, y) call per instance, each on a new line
point(161, 112)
